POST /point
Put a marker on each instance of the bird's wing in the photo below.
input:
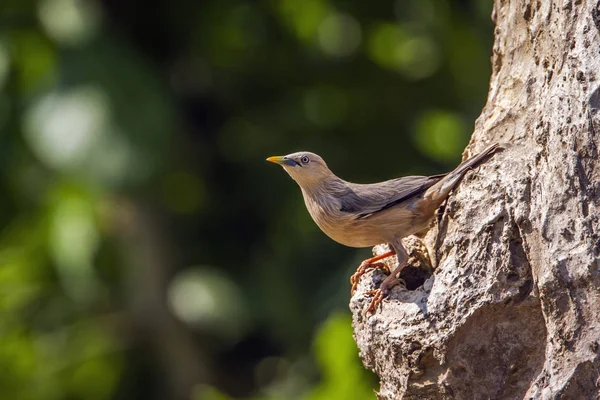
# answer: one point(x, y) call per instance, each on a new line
point(366, 200)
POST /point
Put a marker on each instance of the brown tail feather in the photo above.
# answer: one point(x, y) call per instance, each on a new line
point(439, 191)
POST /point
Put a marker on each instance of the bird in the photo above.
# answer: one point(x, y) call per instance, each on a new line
point(364, 215)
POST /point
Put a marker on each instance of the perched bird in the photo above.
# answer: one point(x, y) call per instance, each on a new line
point(364, 215)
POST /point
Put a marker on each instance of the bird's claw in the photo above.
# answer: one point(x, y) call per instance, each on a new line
point(381, 293)
point(378, 296)
point(363, 269)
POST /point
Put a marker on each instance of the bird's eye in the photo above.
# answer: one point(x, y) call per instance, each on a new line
point(304, 160)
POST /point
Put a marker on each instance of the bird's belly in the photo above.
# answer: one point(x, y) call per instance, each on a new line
point(366, 232)
point(354, 236)
point(378, 228)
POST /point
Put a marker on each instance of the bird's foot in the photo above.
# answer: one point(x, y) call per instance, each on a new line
point(365, 267)
point(382, 292)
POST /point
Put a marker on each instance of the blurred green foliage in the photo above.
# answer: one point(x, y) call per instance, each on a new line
point(343, 377)
point(147, 250)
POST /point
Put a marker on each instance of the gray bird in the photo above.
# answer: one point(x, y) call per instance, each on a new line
point(364, 215)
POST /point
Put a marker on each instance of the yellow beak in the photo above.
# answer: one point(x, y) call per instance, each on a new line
point(283, 161)
point(276, 159)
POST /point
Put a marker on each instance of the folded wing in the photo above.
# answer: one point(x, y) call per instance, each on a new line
point(366, 200)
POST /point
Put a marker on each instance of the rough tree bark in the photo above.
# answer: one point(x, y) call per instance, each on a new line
point(512, 309)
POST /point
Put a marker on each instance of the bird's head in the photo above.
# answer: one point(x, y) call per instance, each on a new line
point(307, 169)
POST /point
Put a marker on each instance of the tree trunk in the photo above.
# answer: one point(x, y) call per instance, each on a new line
point(512, 310)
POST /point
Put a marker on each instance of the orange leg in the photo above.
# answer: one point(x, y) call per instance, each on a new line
point(367, 265)
point(379, 294)
point(389, 282)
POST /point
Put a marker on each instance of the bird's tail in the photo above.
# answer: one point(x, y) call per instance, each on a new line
point(439, 191)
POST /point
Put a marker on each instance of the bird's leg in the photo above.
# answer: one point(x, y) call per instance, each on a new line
point(367, 265)
point(390, 281)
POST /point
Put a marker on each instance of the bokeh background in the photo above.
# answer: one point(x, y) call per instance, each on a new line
point(147, 250)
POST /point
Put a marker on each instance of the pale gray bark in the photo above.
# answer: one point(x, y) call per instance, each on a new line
point(512, 310)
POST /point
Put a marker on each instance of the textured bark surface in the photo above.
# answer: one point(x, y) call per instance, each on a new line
point(512, 309)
